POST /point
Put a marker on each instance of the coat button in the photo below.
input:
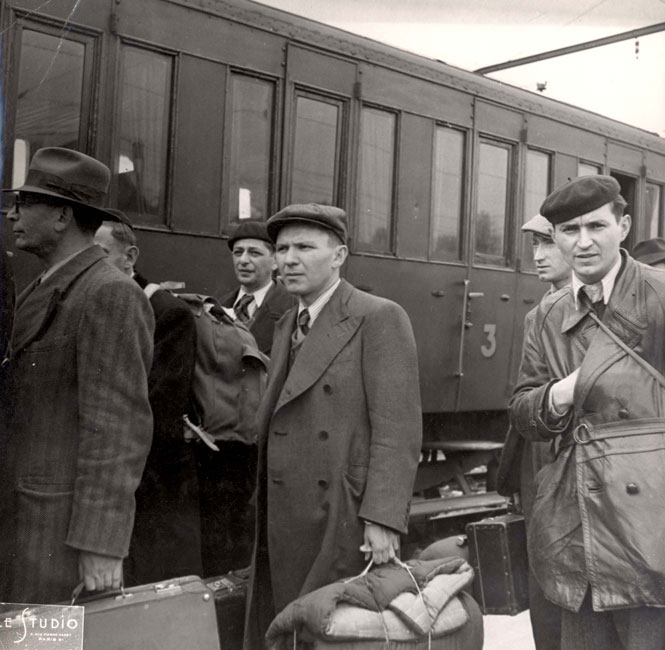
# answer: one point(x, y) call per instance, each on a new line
point(277, 481)
point(280, 433)
point(632, 488)
point(623, 414)
point(323, 483)
point(327, 388)
point(323, 435)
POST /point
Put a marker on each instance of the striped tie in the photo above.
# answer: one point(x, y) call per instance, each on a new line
point(303, 322)
point(241, 308)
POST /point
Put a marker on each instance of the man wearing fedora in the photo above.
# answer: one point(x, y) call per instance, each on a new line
point(651, 252)
point(80, 423)
point(339, 427)
point(591, 381)
point(260, 301)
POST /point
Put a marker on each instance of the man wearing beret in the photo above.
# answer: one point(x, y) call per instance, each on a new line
point(339, 426)
point(80, 423)
point(591, 382)
point(522, 459)
point(260, 301)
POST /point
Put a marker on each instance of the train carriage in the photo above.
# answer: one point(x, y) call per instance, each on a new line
point(210, 112)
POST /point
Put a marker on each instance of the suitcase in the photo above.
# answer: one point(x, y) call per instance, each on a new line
point(497, 548)
point(229, 594)
point(170, 615)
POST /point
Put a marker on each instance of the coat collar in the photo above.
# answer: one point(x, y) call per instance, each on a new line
point(38, 302)
point(331, 331)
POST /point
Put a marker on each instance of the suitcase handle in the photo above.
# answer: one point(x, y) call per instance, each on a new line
point(94, 595)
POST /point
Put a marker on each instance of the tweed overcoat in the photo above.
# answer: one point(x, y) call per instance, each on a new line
point(262, 325)
point(598, 518)
point(80, 425)
point(339, 440)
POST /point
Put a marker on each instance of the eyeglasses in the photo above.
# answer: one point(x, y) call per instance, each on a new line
point(16, 201)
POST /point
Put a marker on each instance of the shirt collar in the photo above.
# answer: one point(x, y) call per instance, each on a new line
point(259, 295)
point(607, 282)
point(315, 308)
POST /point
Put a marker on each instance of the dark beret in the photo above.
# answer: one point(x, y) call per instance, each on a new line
point(249, 230)
point(579, 196)
point(312, 214)
point(650, 251)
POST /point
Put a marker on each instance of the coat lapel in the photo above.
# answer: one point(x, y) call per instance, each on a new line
point(37, 305)
point(625, 317)
point(332, 330)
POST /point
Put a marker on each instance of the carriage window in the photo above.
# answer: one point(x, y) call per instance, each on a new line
point(377, 172)
point(144, 128)
point(316, 151)
point(251, 147)
point(492, 208)
point(587, 169)
point(446, 233)
point(49, 99)
point(654, 209)
point(536, 189)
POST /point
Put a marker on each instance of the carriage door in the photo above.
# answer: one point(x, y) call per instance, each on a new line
point(490, 290)
point(626, 165)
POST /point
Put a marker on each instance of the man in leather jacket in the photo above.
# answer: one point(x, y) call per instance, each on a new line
point(598, 521)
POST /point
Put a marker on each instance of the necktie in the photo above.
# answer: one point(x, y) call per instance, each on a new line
point(303, 322)
point(594, 291)
point(241, 308)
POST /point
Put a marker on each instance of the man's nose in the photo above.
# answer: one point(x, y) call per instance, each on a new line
point(538, 253)
point(244, 258)
point(12, 215)
point(584, 239)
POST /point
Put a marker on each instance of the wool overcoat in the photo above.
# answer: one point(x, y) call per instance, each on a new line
point(598, 519)
point(340, 434)
point(80, 425)
point(262, 325)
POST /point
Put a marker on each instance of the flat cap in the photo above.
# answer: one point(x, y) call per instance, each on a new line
point(249, 230)
point(323, 216)
point(650, 251)
point(539, 225)
point(579, 196)
point(119, 216)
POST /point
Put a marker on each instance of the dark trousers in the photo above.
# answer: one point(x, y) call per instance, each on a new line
point(638, 628)
point(545, 618)
point(226, 484)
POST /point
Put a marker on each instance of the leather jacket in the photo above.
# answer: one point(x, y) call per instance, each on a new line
point(599, 513)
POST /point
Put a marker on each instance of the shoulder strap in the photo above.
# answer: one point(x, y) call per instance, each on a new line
point(645, 364)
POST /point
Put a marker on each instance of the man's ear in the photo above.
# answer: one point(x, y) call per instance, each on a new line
point(132, 254)
point(341, 253)
point(626, 222)
point(64, 217)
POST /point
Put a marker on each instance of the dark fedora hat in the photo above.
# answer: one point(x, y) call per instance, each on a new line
point(69, 175)
point(327, 217)
point(250, 230)
point(650, 251)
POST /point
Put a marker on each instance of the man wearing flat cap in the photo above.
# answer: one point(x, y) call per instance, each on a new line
point(339, 426)
point(260, 301)
point(80, 423)
point(651, 252)
point(591, 382)
point(522, 459)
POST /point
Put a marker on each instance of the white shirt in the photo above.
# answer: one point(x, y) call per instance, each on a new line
point(315, 308)
point(607, 282)
point(259, 296)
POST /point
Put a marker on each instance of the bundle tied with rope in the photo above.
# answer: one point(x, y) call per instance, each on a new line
point(394, 605)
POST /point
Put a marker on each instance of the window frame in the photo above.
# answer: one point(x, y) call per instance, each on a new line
point(91, 39)
point(589, 163)
point(661, 205)
point(167, 223)
point(343, 103)
point(226, 224)
point(507, 260)
point(463, 216)
point(392, 217)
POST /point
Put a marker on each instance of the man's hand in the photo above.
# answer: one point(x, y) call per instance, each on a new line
point(379, 542)
point(561, 393)
point(100, 572)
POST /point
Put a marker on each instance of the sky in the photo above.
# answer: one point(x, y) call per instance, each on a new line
point(612, 80)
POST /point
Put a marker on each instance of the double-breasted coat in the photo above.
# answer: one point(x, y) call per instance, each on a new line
point(80, 425)
point(262, 325)
point(598, 519)
point(339, 440)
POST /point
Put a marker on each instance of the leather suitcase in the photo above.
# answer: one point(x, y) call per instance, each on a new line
point(170, 615)
point(230, 594)
point(497, 549)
